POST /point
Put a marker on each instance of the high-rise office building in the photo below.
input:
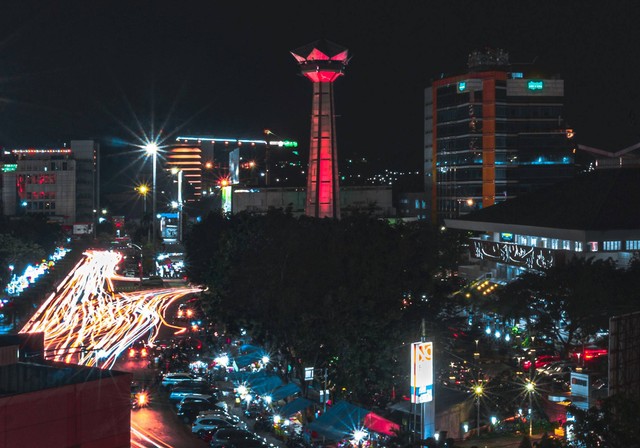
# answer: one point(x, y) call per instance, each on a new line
point(492, 134)
point(60, 183)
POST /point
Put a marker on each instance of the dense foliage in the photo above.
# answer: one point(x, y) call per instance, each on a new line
point(25, 241)
point(571, 303)
point(344, 295)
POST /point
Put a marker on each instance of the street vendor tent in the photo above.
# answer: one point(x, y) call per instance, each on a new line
point(376, 423)
point(342, 419)
point(264, 385)
point(240, 377)
point(294, 406)
point(247, 359)
point(284, 391)
point(339, 422)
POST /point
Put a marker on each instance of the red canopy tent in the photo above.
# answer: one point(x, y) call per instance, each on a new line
point(381, 425)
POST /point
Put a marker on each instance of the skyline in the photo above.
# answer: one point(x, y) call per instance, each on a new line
point(111, 69)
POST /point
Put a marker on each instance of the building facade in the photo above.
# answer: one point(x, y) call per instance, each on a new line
point(492, 134)
point(588, 216)
point(58, 405)
point(60, 183)
point(376, 200)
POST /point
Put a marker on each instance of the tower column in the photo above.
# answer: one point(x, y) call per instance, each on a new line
point(322, 63)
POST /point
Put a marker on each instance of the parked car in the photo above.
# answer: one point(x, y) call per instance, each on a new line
point(203, 398)
point(178, 394)
point(206, 422)
point(222, 437)
point(244, 443)
point(170, 379)
point(189, 412)
point(233, 419)
point(560, 368)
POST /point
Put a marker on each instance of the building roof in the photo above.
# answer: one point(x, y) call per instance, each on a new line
point(597, 201)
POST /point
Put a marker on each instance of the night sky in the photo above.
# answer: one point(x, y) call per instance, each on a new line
point(97, 69)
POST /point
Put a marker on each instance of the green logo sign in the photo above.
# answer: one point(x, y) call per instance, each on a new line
point(462, 86)
point(535, 85)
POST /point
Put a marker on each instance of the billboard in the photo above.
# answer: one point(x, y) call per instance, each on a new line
point(226, 198)
point(421, 372)
point(234, 166)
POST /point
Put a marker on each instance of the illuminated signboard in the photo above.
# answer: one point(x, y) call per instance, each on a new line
point(507, 237)
point(517, 75)
point(535, 85)
point(9, 167)
point(462, 86)
point(514, 254)
point(226, 198)
point(421, 372)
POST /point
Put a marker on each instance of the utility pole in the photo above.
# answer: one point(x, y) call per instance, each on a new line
point(325, 391)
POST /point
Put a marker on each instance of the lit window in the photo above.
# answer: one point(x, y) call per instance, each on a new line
point(593, 246)
point(632, 245)
point(611, 245)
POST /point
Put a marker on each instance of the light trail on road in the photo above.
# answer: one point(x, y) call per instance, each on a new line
point(86, 322)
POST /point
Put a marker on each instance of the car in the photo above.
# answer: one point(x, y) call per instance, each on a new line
point(200, 386)
point(207, 422)
point(138, 350)
point(178, 394)
point(550, 367)
point(215, 412)
point(222, 437)
point(560, 368)
point(170, 379)
point(243, 443)
point(541, 361)
point(188, 412)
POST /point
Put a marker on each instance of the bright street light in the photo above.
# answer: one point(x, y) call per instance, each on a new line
point(530, 388)
point(478, 390)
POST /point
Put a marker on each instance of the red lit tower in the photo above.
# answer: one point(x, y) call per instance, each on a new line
point(322, 62)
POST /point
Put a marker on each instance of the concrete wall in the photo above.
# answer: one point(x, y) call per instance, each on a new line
point(93, 414)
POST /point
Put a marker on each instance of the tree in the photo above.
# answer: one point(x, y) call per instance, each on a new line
point(326, 293)
point(612, 422)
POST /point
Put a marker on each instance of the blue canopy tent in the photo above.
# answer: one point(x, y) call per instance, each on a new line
point(284, 391)
point(339, 422)
point(245, 360)
point(239, 377)
point(248, 348)
point(265, 385)
point(294, 406)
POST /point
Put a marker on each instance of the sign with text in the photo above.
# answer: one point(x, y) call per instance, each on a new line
point(421, 372)
point(308, 373)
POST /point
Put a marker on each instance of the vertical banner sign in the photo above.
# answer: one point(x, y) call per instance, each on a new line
point(421, 372)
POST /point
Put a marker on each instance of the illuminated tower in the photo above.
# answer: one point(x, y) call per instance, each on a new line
point(322, 62)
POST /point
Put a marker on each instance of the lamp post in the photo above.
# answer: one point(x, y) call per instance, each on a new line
point(478, 392)
point(152, 150)
point(531, 388)
point(143, 189)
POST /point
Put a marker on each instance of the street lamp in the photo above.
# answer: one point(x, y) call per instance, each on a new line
point(530, 387)
point(478, 393)
point(152, 150)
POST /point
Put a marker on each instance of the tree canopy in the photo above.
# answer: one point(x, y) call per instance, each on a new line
point(345, 295)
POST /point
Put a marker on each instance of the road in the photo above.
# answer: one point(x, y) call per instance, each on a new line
point(85, 322)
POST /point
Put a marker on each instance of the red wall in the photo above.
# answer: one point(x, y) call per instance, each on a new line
point(94, 414)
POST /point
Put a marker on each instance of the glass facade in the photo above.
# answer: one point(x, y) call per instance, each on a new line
point(493, 139)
